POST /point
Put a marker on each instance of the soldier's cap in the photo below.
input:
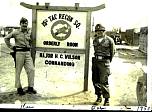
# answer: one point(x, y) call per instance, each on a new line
point(23, 20)
point(99, 27)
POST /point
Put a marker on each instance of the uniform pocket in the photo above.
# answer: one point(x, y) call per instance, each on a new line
point(107, 66)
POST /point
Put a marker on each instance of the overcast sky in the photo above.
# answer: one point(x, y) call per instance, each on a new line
point(118, 13)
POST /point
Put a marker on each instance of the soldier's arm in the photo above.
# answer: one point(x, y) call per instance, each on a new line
point(31, 40)
point(7, 40)
point(113, 49)
point(94, 44)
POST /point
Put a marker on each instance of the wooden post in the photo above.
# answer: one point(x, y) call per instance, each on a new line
point(33, 51)
point(88, 30)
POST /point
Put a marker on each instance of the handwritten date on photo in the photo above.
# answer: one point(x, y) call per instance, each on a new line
point(139, 108)
point(143, 108)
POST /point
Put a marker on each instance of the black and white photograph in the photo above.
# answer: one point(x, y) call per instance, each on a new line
point(75, 55)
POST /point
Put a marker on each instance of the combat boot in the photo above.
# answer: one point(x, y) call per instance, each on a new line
point(98, 101)
point(106, 102)
point(20, 91)
point(31, 90)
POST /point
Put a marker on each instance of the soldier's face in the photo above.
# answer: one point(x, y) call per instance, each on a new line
point(24, 25)
point(99, 33)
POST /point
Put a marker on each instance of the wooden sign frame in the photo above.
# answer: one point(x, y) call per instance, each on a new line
point(75, 8)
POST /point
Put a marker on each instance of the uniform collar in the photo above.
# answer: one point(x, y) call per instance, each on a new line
point(102, 37)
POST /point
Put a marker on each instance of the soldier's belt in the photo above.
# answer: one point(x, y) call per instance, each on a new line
point(102, 57)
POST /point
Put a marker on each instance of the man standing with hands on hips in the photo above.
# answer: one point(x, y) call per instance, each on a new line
point(22, 55)
point(104, 50)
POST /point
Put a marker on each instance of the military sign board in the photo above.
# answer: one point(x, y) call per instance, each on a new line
point(61, 29)
point(61, 42)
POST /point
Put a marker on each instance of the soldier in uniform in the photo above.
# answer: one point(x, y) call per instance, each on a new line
point(22, 55)
point(104, 50)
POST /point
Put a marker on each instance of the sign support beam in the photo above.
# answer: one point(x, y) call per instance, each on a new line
point(63, 8)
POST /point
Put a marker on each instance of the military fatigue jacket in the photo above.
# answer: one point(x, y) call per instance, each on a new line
point(105, 47)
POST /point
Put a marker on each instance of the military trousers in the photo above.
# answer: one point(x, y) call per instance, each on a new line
point(100, 74)
point(24, 59)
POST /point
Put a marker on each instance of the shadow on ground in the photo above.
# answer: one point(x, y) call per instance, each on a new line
point(12, 98)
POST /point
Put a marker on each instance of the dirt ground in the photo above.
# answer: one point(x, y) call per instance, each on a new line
point(122, 82)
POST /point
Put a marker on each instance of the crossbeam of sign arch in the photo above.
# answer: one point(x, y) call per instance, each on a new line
point(61, 44)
